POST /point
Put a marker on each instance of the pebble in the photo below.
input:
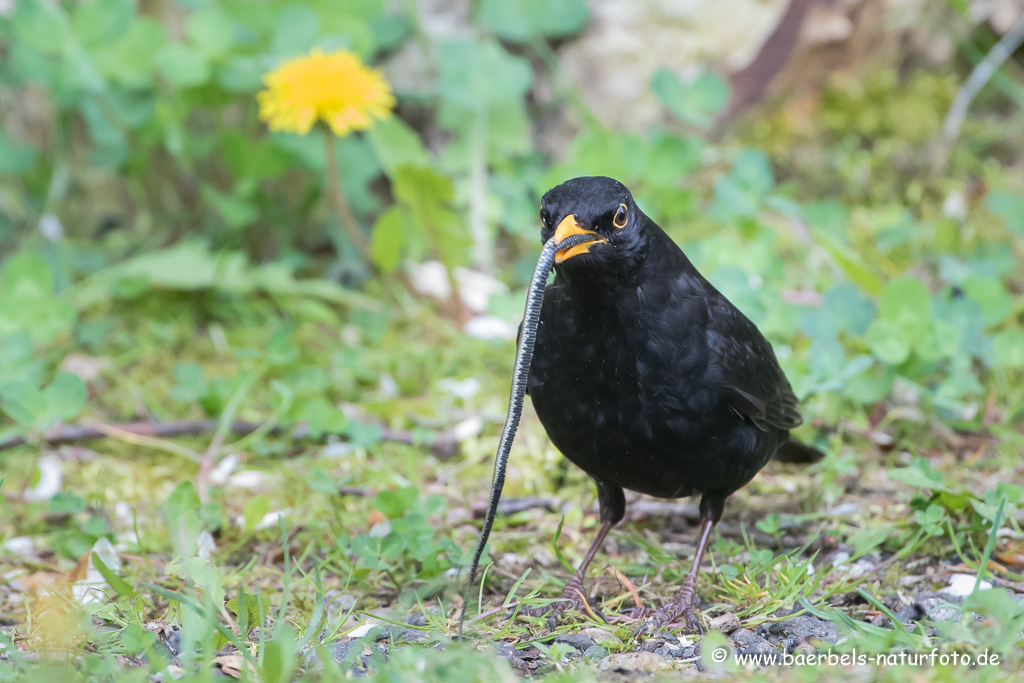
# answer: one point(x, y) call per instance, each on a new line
point(938, 606)
point(598, 635)
point(726, 623)
point(746, 642)
point(634, 661)
point(577, 640)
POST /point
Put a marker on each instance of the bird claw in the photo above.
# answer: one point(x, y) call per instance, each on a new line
point(572, 598)
point(656, 620)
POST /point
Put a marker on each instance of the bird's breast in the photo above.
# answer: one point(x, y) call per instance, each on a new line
point(623, 400)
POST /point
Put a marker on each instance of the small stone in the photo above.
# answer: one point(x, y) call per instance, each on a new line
point(504, 650)
point(577, 640)
point(342, 649)
point(907, 614)
point(805, 626)
point(805, 649)
point(595, 652)
point(749, 643)
point(727, 623)
point(599, 636)
point(652, 645)
point(634, 661)
point(938, 606)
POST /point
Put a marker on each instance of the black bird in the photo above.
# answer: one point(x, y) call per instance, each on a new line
point(646, 377)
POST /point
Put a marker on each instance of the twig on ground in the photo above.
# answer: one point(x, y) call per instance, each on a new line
point(443, 446)
point(981, 75)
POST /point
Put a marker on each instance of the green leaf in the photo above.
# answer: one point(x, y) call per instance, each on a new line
point(255, 509)
point(211, 31)
point(182, 66)
point(130, 59)
point(887, 342)
point(296, 30)
point(697, 102)
point(387, 239)
point(396, 144)
point(250, 609)
point(1010, 208)
point(241, 74)
point(426, 195)
point(394, 504)
point(110, 147)
point(237, 212)
point(22, 402)
point(27, 303)
point(66, 396)
point(181, 517)
point(113, 580)
point(904, 297)
point(97, 22)
point(940, 340)
point(522, 20)
point(324, 418)
point(481, 74)
point(279, 657)
point(851, 263)
point(1008, 348)
point(14, 157)
point(202, 574)
point(990, 294)
point(43, 25)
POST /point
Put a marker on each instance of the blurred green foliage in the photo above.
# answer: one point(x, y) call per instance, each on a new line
point(149, 219)
point(148, 132)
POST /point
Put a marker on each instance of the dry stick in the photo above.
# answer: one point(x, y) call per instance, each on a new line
point(337, 195)
point(443, 446)
point(975, 82)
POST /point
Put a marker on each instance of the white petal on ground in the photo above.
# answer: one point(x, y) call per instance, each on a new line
point(91, 588)
point(388, 387)
point(271, 519)
point(86, 368)
point(123, 513)
point(467, 388)
point(249, 479)
point(50, 479)
point(219, 475)
point(51, 228)
point(468, 428)
point(205, 544)
point(362, 629)
point(490, 327)
point(429, 278)
point(23, 546)
point(962, 585)
point(338, 449)
point(475, 288)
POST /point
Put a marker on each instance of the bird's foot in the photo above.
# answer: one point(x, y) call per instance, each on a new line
point(680, 606)
point(573, 597)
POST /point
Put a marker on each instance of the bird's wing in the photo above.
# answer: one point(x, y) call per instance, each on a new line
point(756, 385)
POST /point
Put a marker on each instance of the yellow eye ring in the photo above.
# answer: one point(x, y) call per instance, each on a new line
point(621, 217)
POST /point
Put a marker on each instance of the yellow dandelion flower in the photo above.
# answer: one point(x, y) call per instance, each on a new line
point(336, 88)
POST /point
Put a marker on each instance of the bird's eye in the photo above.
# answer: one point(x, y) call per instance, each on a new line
point(543, 218)
point(621, 216)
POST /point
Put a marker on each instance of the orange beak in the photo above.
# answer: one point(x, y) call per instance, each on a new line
point(568, 227)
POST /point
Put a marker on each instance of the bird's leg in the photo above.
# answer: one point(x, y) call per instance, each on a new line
point(683, 603)
point(574, 595)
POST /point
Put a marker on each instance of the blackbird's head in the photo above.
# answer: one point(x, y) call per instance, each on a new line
point(597, 206)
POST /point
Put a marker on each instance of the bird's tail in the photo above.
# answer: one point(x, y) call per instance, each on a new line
point(793, 451)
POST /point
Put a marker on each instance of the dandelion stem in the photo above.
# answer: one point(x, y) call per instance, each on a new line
point(337, 195)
